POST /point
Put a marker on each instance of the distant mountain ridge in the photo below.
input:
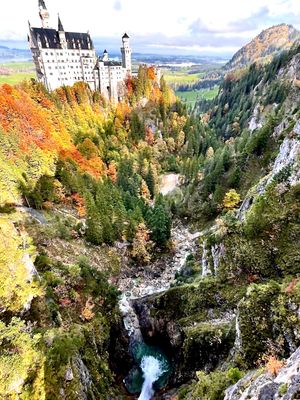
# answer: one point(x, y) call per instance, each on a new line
point(268, 43)
point(8, 54)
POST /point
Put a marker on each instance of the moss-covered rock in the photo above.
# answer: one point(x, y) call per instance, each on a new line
point(205, 345)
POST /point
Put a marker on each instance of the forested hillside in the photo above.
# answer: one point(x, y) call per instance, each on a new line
point(264, 46)
point(87, 172)
point(80, 212)
point(239, 308)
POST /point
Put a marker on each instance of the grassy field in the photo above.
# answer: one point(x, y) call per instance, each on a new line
point(192, 96)
point(181, 77)
point(15, 72)
point(16, 66)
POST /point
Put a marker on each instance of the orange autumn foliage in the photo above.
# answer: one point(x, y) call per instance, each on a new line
point(79, 204)
point(129, 85)
point(149, 136)
point(37, 118)
point(86, 312)
point(151, 73)
point(291, 286)
point(273, 365)
point(112, 171)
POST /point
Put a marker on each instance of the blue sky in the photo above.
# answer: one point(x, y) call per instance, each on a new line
point(210, 27)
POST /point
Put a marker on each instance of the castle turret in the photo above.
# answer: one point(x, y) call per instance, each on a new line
point(62, 34)
point(105, 56)
point(126, 53)
point(44, 14)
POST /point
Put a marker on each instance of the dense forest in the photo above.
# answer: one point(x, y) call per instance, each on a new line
point(80, 206)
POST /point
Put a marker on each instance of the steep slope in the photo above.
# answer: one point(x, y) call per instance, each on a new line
point(239, 307)
point(76, 175)
point(91, 170)
point(268, 43)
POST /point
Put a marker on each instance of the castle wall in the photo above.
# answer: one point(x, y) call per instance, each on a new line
point(59, 67)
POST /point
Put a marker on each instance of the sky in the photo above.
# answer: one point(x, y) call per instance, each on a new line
point(200, 27)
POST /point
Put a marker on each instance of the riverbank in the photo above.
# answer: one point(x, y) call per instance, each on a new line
point(138, 284)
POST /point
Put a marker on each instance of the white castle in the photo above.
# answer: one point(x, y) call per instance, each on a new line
point(63, 58)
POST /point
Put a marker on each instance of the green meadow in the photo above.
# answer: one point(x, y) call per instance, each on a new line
point(15, 72)
point(181, 77)
point(192, 96)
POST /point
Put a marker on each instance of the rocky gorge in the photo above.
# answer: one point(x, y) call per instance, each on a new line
point(148, 282)
point(206, 323)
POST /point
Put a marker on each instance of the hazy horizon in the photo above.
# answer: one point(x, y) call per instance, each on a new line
point(199, 28)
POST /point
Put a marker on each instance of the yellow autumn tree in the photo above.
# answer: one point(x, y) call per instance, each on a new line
point(141, 245)
point(144, 191)
point(231, 199)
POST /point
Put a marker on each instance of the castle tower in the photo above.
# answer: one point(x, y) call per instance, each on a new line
point(44, 14)
point(126, 53)
point(62, 35)
point(105, 56)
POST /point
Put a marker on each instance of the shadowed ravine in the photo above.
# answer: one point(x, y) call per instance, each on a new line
point(152, 367)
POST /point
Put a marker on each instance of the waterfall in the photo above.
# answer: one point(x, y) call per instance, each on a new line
point(205, 263)
point(151, 364)
point(238, 335)
point(130, 319)
point(152, 370)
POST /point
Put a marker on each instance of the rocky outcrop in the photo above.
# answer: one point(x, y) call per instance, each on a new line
point(264, 386)
point(194, 327)
point(255, 121)
point(286, 167)
point(160, 275)
point(288, 158)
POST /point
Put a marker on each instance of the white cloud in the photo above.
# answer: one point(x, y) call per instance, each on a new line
point(155, 18)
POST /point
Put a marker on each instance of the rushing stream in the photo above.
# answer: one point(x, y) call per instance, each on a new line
point(152, 366)
point(152, 370)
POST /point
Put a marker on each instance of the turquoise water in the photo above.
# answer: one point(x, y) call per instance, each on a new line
point(134, 380)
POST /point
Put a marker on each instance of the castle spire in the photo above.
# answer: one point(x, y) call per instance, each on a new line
point(62, 35)
point(42, 4)
point(44, 14)
point(60, 25)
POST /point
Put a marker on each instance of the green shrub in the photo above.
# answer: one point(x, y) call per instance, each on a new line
point(283, 389)
point(212, 386)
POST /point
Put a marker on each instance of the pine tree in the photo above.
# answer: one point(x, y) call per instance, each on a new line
point(137, 130)
point(159, 219)
point(94, 230)
point(150, 180)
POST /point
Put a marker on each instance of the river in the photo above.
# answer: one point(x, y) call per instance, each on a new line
point(152, 366)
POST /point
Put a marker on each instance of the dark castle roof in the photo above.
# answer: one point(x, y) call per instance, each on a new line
point(107, 63)
point(60, 25)
point(125, 36)
point(112, 63)
point(51, 36)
